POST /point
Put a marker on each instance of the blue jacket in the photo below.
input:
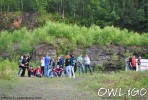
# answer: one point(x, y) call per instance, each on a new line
point(47, 60)
point(61, 62)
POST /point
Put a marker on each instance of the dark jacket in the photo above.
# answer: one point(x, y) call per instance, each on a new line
point(72, 62)
point(67, 62)
point(24, 62)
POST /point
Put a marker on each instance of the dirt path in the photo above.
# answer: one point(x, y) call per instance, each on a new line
point(25, 88)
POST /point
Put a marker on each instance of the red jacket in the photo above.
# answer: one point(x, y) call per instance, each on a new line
point(133, 62)
point(58, 70)
point(36, 71)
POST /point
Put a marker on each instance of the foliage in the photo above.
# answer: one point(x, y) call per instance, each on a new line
point(125, 14)
point(7, 69)
point(98, 68)
point(67, 37)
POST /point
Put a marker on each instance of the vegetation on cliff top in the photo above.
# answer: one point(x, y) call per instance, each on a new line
point(63, 36)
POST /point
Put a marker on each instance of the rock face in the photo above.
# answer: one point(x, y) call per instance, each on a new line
point(12, 21)
point(41, 51)
point(97, 54)
point(107, 55)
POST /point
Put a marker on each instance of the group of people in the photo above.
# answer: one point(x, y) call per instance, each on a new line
point(130, 62)
point(52, 67)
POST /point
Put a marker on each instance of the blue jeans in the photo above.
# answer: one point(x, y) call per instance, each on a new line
point(72, 70)
point(80, 67)
point(68, 71)
point(19, 70)
point(50, 73)
point(38, 75)
point(87, 66)
point(46, 68)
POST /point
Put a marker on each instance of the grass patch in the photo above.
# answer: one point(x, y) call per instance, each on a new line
point(83, 84)
point(114, 80)
point(8, 69)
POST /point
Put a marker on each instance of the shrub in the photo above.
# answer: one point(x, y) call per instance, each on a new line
point(71, 35)
point(7, 69)
point(99, 67)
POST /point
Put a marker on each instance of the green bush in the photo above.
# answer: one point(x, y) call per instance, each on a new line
point(98, 68)
point(64, 36)
point(7, 69)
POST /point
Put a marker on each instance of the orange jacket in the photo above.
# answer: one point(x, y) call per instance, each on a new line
point(133, 62)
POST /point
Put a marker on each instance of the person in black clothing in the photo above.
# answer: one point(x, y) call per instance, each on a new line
point(61, 64)
point(130, 62)
point(67, 66)
point(58, 61)
point(23, 65)
point(31, 71)
point(53, 63)
point(75, 67)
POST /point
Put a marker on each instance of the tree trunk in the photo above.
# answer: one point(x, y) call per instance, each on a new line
point(1, 8)
point(57, 7)
point(74, 9)
point(83, 10)
point(22, 7)
point(8, 7)
point(63, 9)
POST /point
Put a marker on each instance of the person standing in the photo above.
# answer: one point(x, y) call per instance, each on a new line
point(139, 62)
point(67, 66)
point(23, 66)
point(130, 62)
point(61, 62)
point(53, 63)
point(134, 63)
point(42, 64)
point(20, 68)
point(127, 65)
point(87, 64)
point(28, 61)
point(72, 64)
point(47, 65)
point(58, 61)
point(80, 64)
